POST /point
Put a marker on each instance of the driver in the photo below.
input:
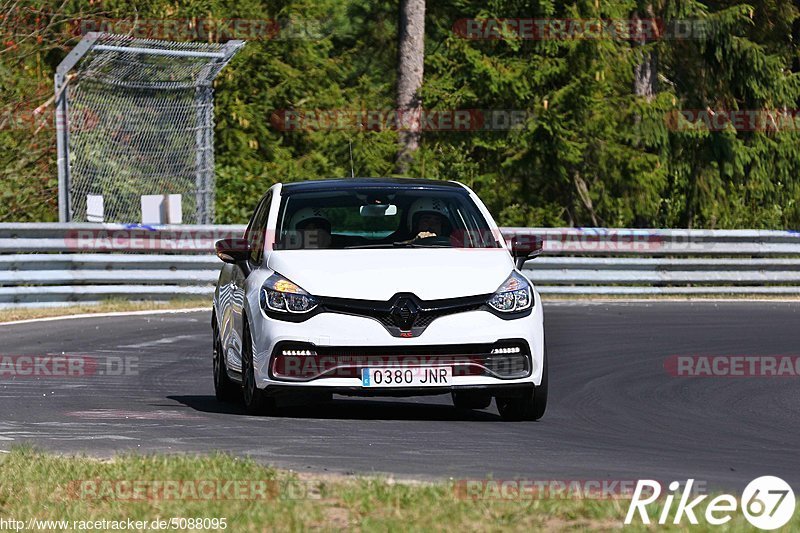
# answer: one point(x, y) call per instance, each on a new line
point(428, 218)
point(313, 227)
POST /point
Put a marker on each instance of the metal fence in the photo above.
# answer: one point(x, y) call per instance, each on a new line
point(54, 264)
point(135, 118)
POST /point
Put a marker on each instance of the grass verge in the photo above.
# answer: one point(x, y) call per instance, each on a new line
point(106, 306)
point(42, 486)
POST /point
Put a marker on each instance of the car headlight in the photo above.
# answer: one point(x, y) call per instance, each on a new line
point(513, 295)
point(280, 295)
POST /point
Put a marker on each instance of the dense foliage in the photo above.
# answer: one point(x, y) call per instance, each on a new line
point(594, 150)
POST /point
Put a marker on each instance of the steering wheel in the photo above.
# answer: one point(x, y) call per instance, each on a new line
point(435, 240)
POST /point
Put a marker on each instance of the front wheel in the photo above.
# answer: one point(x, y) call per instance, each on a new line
point(256, 400)
point(529, 406)
point(224, 389)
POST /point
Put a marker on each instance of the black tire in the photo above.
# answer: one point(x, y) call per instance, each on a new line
point(256, 400)
point(471, 399)
point(225, 389)
point(531, 405)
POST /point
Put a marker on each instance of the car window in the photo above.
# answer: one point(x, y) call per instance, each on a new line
point(390, 218)
point(257, 228)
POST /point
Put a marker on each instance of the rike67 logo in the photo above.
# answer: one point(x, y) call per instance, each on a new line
point(767, 503)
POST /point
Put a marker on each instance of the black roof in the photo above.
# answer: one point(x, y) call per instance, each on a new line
point(366, 183)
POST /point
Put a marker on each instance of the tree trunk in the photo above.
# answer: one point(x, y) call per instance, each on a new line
point(645, 76)
point(796, 44)
point(690, 205)
point(645, 73)
point(411, 55)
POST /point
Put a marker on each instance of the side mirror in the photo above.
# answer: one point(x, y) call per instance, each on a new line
point(525, 247)
point(234, 250)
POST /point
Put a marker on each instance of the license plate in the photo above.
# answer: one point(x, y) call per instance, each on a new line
point(407, 377)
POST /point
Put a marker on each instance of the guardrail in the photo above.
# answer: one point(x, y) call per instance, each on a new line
point(56, 264)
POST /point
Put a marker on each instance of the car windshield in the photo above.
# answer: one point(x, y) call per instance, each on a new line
point(381, 218)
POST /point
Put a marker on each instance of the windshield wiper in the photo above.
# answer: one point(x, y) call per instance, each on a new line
point(383, 245)
point(400, 244)
point(418, 245)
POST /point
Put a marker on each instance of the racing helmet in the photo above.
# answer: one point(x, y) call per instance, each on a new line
point(307, 214)
point(428, 205)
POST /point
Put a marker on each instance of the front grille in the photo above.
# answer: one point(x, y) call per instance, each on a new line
point(425, 319)
point(347, 362)
point(404, 314)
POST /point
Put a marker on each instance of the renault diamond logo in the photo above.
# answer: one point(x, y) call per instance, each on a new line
point(404, 313)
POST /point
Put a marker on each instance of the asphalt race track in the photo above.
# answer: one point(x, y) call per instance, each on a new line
point(614, 411)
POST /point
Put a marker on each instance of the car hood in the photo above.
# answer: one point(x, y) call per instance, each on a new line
point(430, 274)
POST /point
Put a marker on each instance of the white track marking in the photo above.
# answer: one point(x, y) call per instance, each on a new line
point(105, 315)
point(159, 342)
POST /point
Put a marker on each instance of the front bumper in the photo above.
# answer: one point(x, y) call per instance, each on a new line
point(505, 390)
point(303, 362)
point(462, 341)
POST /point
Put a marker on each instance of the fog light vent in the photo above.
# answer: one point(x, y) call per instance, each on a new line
point(299, 352)
point(513, 349)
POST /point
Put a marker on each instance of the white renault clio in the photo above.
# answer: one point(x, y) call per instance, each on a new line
point(371, 286)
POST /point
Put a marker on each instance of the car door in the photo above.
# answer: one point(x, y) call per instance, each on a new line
point(255, 235)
